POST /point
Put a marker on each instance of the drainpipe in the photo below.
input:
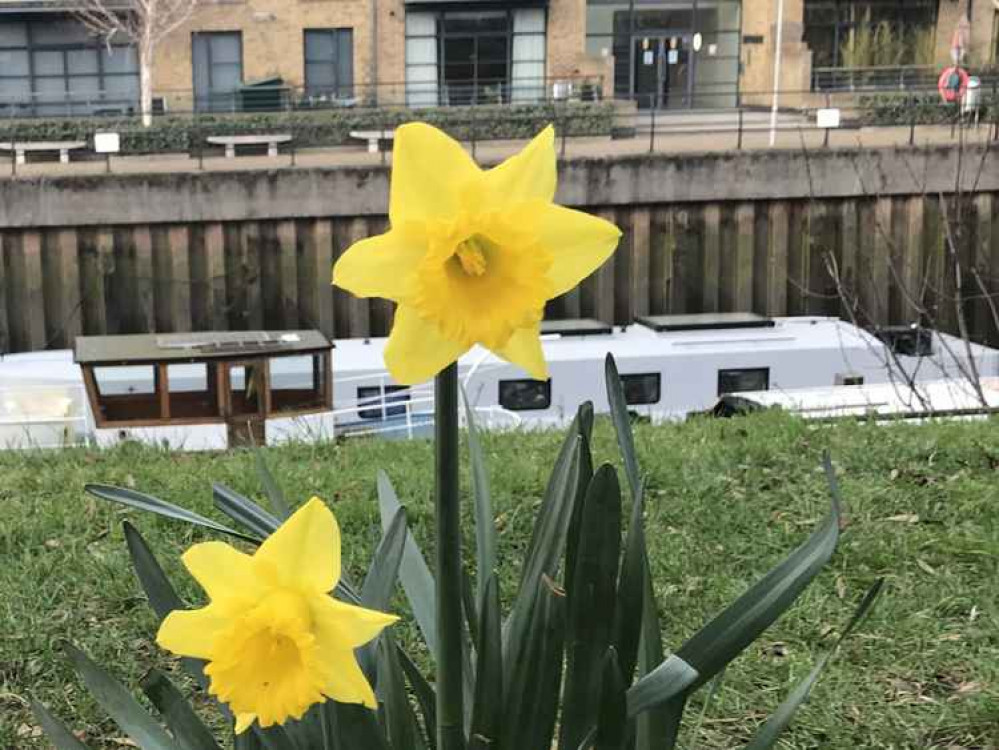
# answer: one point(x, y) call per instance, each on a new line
point(777, 61)
point(374, 52)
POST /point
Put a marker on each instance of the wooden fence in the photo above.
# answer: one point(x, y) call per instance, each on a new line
point(765, 256)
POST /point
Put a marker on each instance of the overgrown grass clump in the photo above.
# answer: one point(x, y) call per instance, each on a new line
point(727, 500)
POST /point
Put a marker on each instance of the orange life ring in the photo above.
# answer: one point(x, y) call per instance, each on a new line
point(952, 84)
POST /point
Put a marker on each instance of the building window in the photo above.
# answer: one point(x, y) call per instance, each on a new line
point(870, 33)
point(217, 61)
point(382, 402)
point(745, 379)
point(525, 395)
point(475, 57)
point(329, 63)
point(641, 389)
point(58, 68)
point(655, 62)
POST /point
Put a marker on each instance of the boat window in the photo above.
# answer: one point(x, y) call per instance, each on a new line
point(298, 384)
point(193, 390)
point(382, 401)
point(743, 379)
point(246, 385)
point(644, 388)
point(849, 379)
point(525, 395)
point(127, 394)
point(907, 341)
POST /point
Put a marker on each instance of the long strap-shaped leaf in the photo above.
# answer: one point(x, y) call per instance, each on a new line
point(133, 719)
point(767, 735)
point(622, 423)
point(244, 511)
point(399, 721)
point(485, 526)
point(415, 576)
point(376, 593)
point(631, 591)
point(652, 727)
point(612, 713)
point(180, 718)
point(279, 504)
point(55, 730)
point(724, 638)
point(141, 501)
point(487, 708)
point(591, 601)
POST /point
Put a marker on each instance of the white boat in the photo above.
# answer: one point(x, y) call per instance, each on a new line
point(884, 402)
point(212, 390)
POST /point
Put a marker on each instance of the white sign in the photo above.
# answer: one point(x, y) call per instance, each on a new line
point(648, 57)
point(698, 41)
point(827, 118)
point(107, 143)
point(673, 57)
point(712, 49)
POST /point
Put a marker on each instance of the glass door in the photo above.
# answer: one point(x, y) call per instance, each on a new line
point(661, 71)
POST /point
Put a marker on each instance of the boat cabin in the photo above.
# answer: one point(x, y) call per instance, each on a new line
point(236, 381)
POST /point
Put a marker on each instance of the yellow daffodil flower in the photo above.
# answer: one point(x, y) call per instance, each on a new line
point(472, 255)
point(275, 642)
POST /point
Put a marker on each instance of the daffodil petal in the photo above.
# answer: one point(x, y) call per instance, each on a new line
point(191, 632)
point(578, 242)
point(340, 626)
point(305, 550)
point(416, 349)
point(429, 171)
point(381, 266)
point(347, 683)
point(222, 571)
point(244, 721)
point(524, 350)
point(528, 175)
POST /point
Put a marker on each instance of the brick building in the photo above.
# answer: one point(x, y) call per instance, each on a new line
point(666, 53)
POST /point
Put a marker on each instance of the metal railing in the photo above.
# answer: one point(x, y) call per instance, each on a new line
point(881, 78)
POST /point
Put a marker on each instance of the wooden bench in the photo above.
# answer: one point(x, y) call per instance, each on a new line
point(374, 138)
point(232, 141)
point(21, 149)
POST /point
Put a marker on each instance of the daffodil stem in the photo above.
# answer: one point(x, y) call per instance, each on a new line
point(450, 710)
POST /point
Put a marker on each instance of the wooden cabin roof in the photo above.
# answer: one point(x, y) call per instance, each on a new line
point(195, 347)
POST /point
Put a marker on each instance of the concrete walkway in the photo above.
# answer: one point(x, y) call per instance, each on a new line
point(491, 152)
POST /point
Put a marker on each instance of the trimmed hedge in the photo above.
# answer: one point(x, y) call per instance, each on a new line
point(922, 109)
point(186, 134)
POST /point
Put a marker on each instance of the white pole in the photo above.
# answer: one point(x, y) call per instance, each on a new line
point(777, 61)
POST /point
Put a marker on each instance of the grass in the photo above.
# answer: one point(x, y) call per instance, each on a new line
point(727, 500)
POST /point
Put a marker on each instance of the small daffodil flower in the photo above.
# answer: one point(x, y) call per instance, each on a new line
point(274, 641)
point(472, 255)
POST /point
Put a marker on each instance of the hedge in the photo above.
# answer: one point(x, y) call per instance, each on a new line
point(187, 133)
point(925, 108)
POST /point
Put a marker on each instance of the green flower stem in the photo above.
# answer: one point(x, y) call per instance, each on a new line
point(450, 711)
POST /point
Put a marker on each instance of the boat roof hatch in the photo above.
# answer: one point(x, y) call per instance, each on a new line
point(704, 321)
point(576, 327)
point(195, 347)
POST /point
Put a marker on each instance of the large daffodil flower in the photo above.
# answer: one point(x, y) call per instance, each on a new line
point(275, 641)
point(472, 255)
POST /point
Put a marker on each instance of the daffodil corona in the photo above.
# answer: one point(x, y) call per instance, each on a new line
point(472, 255)
point(275, 641)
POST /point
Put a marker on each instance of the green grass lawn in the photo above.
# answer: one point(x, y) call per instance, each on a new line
point(727, 499)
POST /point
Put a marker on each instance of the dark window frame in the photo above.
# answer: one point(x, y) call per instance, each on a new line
point(504, 400)
point(103, 98)
point(633, 377)
point(730, 371)
point(379, 404)
point(206, 102)
point(339, 88)
point(478, 88)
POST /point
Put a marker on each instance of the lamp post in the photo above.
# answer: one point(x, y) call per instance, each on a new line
point(777, 61)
